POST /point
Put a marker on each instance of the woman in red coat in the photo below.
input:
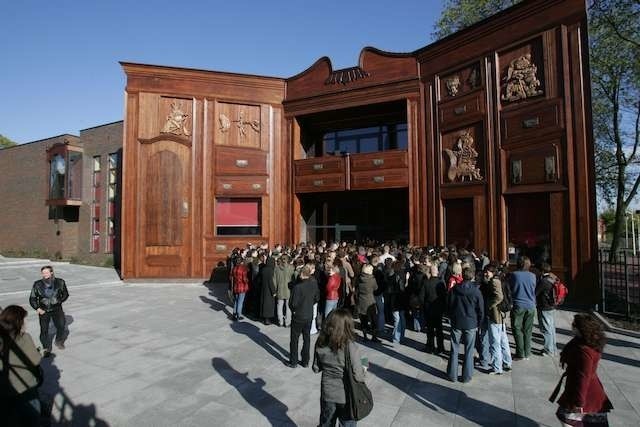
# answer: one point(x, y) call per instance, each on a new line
point(332, 290)
point(584, 401)
point(240, 277)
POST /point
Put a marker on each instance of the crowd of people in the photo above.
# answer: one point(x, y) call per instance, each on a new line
point(302, 286)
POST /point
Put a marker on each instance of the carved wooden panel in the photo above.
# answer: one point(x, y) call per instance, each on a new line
point(528, 123)
point(379, 179)
point(241, 186)
point(320, 183)
point(462, 155)
point(461, 82)
point(381, 160)
point(237, 161)
point(238, 125)
point(534, 165)
point(521, 72)
point(163, 204)
point(459, 222)
point(466, 108)
point(319, 165)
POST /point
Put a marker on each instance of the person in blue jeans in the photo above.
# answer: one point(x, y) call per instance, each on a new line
point(545, 303)
point(465, 306)
point(523, 292)
point(499, 351)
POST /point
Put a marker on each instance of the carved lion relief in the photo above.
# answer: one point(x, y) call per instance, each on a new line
point(176, 122)
point(463, 159)
point(521, 80)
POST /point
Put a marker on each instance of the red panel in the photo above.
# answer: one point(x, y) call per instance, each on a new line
point(237, 212)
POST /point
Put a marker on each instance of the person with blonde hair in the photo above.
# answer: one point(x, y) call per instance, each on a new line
point(335, 340)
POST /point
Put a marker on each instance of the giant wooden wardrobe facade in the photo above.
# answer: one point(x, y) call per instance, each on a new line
point(240, 136)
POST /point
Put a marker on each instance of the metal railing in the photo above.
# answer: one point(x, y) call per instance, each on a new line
point(620, 283)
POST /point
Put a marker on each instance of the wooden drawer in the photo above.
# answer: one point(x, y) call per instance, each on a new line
point(387, 178)
point(381, 160)
point(240, 161)
point(231, 186)
point(320, 183)
point(462, 109)
point(319, 165)
point(531, 122)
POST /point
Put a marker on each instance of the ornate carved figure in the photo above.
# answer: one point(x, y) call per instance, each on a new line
point(225, 124)
point(176, 121)
point(453, 85)
point(521, 80)
point(463, 159)
point(474, 78)
point(550, 169)
point(516, 171)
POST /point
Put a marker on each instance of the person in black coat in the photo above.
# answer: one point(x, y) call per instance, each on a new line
point(47, 296)
point(267, 290)
point(434, 294)
point(304, 295)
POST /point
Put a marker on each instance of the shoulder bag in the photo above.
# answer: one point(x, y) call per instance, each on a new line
point(359, 400)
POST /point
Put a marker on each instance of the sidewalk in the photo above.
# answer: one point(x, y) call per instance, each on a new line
point(167, 355)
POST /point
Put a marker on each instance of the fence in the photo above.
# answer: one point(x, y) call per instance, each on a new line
point(620, 283)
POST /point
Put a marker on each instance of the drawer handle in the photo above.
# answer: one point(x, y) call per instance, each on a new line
point(378, 162)
point(531, 123)
point(221, 248)
point(227, 186)
point(460, 110)
point(378, 179)
point(256, 186)
point(318, 183)
point(318, 167)
point(242, 163)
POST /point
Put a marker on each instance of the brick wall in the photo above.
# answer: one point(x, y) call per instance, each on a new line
point(97, 141)
point(25, 223)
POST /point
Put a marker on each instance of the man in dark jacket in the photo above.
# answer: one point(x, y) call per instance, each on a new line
point(303, 296)
point(267, 290)
point(47, 296)
point(466, 310)
point(545, 304)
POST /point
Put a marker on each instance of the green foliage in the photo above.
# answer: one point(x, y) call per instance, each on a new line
point(5, 142)
point(459, 14)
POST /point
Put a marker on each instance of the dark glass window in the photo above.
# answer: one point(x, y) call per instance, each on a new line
point(366, 140)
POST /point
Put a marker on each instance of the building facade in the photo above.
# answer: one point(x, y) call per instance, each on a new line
point(61, 196)
point(482, 139)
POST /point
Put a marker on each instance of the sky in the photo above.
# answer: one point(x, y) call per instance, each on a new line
point(59, 60)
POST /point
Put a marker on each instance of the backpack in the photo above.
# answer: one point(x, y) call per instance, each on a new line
point(506, 305)
point(560, 292)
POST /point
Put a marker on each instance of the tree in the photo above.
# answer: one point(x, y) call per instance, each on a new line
point(5, 142)
point(459, 14)
point(614, 43)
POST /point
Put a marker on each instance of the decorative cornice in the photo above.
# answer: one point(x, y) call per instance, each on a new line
point(346, 75)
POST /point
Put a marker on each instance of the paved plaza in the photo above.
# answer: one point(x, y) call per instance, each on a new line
point(166, 354)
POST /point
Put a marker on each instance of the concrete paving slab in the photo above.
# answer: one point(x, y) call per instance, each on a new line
point(166, 354)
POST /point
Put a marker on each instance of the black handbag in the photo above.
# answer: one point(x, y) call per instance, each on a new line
point(359, 400)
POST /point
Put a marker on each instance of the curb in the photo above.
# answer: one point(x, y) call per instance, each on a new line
point(610, 328)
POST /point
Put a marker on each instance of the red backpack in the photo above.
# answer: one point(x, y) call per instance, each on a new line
point(560, 292)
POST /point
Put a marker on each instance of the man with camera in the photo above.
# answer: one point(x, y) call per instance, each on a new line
point(47, 296)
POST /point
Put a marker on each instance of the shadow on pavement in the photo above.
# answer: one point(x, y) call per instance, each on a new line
point(253, 392)
point(440, 398)
point(263, 340)
point(58, 408)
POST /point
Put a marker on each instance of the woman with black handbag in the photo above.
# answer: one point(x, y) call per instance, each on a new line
point(344, 396)
point(20, 374)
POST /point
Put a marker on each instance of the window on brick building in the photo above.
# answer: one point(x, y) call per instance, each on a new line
point(65, 175)
point(111, 196)
point(95, 205)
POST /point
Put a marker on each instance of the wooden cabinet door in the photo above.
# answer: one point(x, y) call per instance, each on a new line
point(164, 209)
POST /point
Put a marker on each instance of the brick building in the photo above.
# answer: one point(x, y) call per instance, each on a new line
point(60, 196)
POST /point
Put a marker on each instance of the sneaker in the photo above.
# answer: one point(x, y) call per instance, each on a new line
point(506, 368)
point(60, 345)
point(304, 365)
point(290, 365)
point(492, 372)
